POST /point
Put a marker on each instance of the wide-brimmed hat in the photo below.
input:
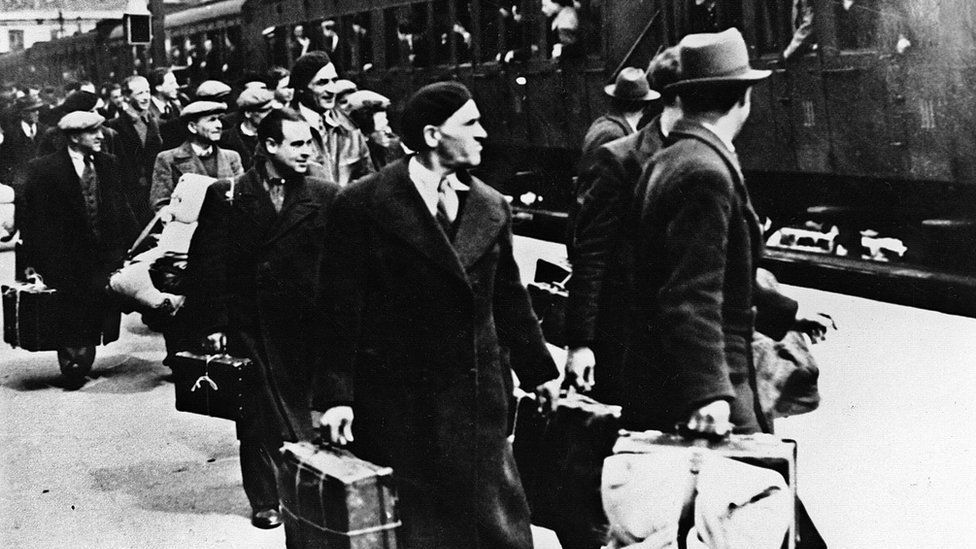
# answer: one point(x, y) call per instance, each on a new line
point(631, 85)
point(715, 58)
point(29, 103)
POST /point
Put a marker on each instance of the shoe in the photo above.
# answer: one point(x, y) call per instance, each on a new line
point(266, 519)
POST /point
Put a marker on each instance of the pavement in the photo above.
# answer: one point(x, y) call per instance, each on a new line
point(888, 460)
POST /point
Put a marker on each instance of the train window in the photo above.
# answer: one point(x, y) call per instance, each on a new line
point(406, 36)
point(773, 25)
point(360, 42)
point(490, 18)
point(460, 32)
point(857, 23)
point(516, 34)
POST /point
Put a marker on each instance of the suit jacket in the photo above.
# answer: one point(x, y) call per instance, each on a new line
point(16, 151)
point(697, 245)
point(417, 331)
point(253, 273)
point(59, 243)
point(172, 164)
point(234, 140)
point(137, 161)
point(162, 117)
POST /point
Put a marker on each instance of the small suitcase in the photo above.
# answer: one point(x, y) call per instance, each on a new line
point(210, 385)
point(31, 316)
point(761, 450)
point(330, 499)
point(548, 295)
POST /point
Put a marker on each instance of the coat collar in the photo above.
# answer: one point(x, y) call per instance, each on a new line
point(401, 210)
point(251, 197)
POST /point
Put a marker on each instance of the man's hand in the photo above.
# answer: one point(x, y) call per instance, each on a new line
point(580, 362)
point(214, 343)
point(813, 323)
point(547, 395)
point(712, 419)
point(336, 424)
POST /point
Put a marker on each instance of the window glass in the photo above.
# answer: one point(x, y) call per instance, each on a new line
point(360, 42)
point(857, 23)
point(490, 18)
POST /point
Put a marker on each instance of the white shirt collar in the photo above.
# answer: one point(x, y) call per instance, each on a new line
point(160, 104)
point(728, 143)
point(247, 132)
point(427, 181)
point(77, 160)
point(201, 151)
point(312, 117)
point(29, 129)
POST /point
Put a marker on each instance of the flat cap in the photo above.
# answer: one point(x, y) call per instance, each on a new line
point(79, 100)
point(78, 121)
point(198, 109)
point(211, 89)
point(344, 86)
point(367, 98)
point(253, 99)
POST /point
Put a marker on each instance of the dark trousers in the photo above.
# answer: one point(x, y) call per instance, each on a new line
point(260, 460)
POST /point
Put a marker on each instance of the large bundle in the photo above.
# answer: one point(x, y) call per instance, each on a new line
point(739, 492)
point(150, 279)
point(7, 225)
point(331, 499)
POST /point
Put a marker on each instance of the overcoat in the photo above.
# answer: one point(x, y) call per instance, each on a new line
point(136, 159)
point(16, 151)
point(601, 288)
point(697, 246)
point(259, 268)
point(234, 140)
point(172, 164)
point(60, 245)
point(418, 333)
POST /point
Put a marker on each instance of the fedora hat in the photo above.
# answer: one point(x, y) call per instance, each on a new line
point(631, 85)
point(29, 103)
point(715, 58)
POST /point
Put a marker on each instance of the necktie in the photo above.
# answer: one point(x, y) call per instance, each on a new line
point(447, 207)
point(142, 128)
point(89, 191)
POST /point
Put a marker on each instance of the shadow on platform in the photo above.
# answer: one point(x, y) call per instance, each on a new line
point(128, 375)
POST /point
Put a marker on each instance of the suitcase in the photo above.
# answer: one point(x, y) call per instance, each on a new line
point(560, 459)
point(764, 451)
point(548, 295)
point(210, 385)
point(31, 316)
point(330, 499)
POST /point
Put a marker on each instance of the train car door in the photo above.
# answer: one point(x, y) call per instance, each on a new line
point(854, 82)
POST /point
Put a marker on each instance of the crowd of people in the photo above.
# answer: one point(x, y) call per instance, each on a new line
point(373, 285)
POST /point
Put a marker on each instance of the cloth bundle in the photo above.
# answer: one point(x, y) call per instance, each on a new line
point(167, 258)
point(7, 225)
point(648, 494)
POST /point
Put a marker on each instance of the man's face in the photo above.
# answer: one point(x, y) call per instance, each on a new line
point(255, 116)
point(139, 94)
point(459, 145)
point(322, 87)
point(31, 116)
point(115, 98)
point(89, 141)
point(295, 148)
point(207, 128)
point(170, 88)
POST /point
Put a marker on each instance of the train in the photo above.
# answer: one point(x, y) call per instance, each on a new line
point(860, 150)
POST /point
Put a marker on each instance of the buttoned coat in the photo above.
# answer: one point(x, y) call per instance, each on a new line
point(601, 288)
point(172, 164)
point(254, 276)
point(59, 244)
point(418, 335)
point(697, 247)
point(137, 159)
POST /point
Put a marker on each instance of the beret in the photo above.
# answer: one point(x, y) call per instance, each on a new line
point(254, 98)
point(79, 101)
point(344, 86)
point(431, 105)
point(212, 89)
point(305, 68)
point(367, 98)
point(198, 109)
point(79, 121)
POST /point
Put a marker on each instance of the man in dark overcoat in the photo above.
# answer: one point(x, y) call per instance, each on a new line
point(260, 254)
point(601, 288)
point(77, 227)
point(253, 104)
point(137, 145)
point(425, 315)
point(21, 141)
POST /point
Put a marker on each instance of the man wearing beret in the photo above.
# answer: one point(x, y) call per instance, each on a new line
point(342, 148)
point(199, 154)
point(258, 264)
point(76, 229)
point(137, 145)
point(254, 105)
point(424, 315)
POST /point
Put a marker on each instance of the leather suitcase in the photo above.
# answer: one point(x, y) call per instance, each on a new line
point(30, 316)
point(560, 459)
point(210, 385)
point(330, 499)
point(761, 450)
